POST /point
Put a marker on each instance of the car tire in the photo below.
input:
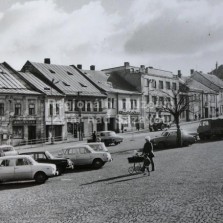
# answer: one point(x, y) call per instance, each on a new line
point(60, 170)
point(97, 163)
point(40, 177)
point(161, 145)
point(116, 143)
point(106, 143)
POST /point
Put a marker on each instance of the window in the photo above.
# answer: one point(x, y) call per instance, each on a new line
point(70, 105)
point(154, 100)
point(18, 109)
point(82, 85)
point(51, 71)
point(154, 83)
point(147, 99)
point(17, 132)
point(51, 109)
point(161, 101)
point(22, 162)
point(109, 103)
point(168, 85)
point(2, 112)
point(31, 109)
point(69, 73)
point(89, 106)
point(95, 106)
point(174, 86)
point(124, 103)
point(57, 108)
point(132, 105)
point(135, 103)
point(113, 103)
point(160, 84)
point(100, 105)
point(65, 84)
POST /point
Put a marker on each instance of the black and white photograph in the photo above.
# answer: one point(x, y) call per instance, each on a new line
point(111, 111)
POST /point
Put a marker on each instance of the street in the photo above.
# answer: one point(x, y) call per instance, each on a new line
point(185, 187)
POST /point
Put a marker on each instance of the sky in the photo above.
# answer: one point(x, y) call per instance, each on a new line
point(169, 35)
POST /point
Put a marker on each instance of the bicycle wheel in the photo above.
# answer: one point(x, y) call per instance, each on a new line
point(131, 170)
point(138, 168)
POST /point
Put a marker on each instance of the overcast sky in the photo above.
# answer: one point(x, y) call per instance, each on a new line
point(166, 34)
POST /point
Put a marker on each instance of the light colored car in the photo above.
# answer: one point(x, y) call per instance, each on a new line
point(98, 146)
point(85, 155)
point(7, 150)
point(24, 167)
point(109, 137)
point(168, 138)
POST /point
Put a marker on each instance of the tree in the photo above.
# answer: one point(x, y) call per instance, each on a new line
point(181, 99)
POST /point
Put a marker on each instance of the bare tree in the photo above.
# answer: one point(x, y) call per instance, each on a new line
point(181, 101)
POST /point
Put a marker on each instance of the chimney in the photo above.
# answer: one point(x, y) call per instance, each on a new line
point(79, 66)
point(92, 67)
point(179, 74)
point(47, 60)
point(191, 71)
point(126, 64)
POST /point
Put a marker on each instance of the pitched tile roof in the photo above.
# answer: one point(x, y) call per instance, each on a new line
point(10, 83)
point(195, 85)
point(69, 80)
point(214, 79)
point(110, 82)
point(40, 85)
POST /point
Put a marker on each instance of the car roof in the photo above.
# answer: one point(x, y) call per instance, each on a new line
point(15, 156)
point(5, 146)
point(94, 143)
point(77, 146)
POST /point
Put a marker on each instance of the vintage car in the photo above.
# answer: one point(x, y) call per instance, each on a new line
point(24, 167)
point(109, 137)
point(46, 157)
point(168, 138)
point(84, 155)
point(159, 124)
point(7, 150)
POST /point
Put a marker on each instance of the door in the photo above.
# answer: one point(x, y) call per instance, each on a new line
point(57, 132)
point(84, 156)
point(7, 170)
point(23, 169)
point(31, 134)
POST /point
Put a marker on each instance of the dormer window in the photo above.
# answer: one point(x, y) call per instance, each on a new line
point(82, 85)
point(69, 73)
point(51, 71)
point(65, 84)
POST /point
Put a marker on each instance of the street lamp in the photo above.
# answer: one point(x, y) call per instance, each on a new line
point(79, 114)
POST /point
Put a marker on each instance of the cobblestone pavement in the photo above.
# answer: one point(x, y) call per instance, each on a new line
point(186, 187)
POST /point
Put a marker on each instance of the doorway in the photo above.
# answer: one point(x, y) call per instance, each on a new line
point(32, 134)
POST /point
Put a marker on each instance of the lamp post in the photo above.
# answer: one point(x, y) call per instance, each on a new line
point(79, 114)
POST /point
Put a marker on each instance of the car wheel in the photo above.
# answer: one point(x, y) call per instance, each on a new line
point(106, 143)
point(161, 145)
point(116, 143)
point(40, 177)
point(60, 170)
point(97, 163)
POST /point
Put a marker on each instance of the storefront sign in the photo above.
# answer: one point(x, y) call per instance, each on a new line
point(24, 122)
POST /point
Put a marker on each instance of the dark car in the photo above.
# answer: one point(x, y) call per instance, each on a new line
point(109, 137)
point(46, 157)
point(159, 124)
point(169, 139)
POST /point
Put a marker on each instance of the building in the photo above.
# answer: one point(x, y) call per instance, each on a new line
point(54, 108)
point(122, 102)
point(21, 109)
point(214, 103)
point(155, 86)
point(83, 99)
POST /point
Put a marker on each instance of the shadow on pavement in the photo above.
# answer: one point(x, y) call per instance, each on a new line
point(133, 178)
point(17, 185)
point(111, 178)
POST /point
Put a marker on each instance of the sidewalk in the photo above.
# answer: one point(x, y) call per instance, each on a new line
point(57, 145)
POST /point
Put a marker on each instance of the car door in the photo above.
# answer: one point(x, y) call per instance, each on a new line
point(23, 169)
point(83, 156)
point(71, 154)
point(172, 138)
point(7, 169)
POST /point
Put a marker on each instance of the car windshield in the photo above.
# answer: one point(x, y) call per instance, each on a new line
point(49, 155)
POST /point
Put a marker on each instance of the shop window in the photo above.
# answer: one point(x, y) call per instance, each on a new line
point(31, 109)
point(2, 109)
point(18, 109)
point(18, 132)
point(124, 104)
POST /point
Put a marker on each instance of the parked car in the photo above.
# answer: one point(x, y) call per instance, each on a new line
point(159, 124)
point(24, 167)
point(46, 157)
point(7, 150)
point(109, 137)
point(169, 139)
point(85, 155)
point(98, 146)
